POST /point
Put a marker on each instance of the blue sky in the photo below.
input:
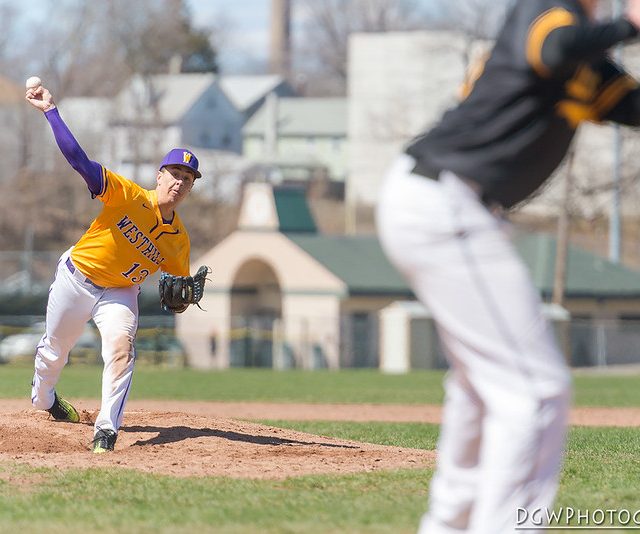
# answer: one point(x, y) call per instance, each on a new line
point(248, 28)
point(247, 38)
point(246, 22)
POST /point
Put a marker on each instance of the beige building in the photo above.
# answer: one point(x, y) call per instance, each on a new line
point(283, 295)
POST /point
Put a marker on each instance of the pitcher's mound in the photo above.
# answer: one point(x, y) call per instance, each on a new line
point(181, 444)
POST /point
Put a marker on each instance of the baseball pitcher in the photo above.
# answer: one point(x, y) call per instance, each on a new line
point(137, 232)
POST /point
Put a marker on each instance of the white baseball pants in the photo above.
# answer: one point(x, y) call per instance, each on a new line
point(73, 301)
point(508, 390)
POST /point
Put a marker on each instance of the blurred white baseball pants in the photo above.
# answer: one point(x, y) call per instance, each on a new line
point(508, 390)
point(72, 303)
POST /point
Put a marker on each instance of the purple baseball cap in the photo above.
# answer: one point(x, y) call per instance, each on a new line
point(182, 157)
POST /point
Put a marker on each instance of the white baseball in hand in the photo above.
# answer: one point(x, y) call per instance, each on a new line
point(33, 82)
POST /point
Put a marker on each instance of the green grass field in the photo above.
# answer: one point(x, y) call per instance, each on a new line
point(347, 386)
point(602, 468)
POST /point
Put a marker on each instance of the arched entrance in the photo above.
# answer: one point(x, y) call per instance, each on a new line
point(256, 311)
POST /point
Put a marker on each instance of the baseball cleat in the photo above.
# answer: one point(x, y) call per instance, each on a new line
point(62, 410)
point(104, 441)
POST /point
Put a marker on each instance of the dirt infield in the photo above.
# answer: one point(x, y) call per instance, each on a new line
point(189, 442)
point(211, 438)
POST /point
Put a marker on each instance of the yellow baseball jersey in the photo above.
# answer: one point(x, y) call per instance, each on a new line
point(128, 241)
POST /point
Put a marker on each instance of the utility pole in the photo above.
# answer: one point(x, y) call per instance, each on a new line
point(615, 217)
point(271, 105)
point(562, 243)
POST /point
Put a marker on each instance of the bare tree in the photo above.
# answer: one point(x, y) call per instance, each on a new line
point(92, 48)
point(479, 19)
point(150, 38)
point(330, 22)
point(79, 49)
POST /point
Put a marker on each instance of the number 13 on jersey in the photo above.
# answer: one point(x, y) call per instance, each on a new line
point(135, 274)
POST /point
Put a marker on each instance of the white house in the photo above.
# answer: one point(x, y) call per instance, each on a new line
point(301, 133)
point(88, 119)
point(198, 110)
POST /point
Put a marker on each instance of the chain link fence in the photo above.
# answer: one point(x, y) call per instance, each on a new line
point(257, 341)
point(156, 343)
point(261, 341)
point(601, 342)
point(264, 341)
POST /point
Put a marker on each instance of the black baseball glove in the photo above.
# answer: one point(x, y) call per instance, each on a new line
point(177, 292)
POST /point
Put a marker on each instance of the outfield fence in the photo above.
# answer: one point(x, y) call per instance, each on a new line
point(604, 342)
point(258, 342)
point(156, 343)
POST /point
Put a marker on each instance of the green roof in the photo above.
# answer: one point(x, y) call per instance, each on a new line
point(357, 260)
point(293, 210)
point(588, 275)
point(361, 264)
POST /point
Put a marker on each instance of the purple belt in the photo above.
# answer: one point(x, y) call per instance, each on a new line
point(72, 268)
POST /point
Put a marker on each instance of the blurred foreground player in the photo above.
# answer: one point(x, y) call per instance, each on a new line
point(508, 391)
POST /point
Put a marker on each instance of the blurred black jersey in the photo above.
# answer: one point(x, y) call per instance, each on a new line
point(548, 72)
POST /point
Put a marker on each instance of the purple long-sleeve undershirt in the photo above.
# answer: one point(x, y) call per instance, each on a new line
point(72, 151)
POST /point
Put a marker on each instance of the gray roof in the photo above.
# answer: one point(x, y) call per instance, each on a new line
point(245, 90)
point(304, 116)
point(361, 264)
point(176, 93)
point(88, 109)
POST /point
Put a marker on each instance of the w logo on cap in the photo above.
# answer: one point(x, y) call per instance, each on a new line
point(180, 156)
